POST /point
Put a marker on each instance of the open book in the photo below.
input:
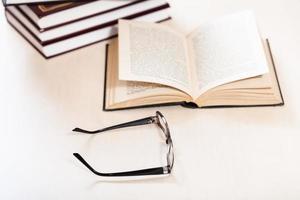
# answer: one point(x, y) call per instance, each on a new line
point(221, 63)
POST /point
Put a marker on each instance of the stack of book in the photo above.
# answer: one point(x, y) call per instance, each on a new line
point(57, 28)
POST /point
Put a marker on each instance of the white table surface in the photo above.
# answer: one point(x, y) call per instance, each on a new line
point(244, 153)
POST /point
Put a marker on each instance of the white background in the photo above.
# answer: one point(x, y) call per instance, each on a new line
point(240, 153)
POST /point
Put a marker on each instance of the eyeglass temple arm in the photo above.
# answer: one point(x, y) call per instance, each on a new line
point(142, 172)
point(144, 121)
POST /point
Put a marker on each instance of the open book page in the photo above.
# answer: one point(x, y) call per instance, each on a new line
point(153, 53)
point(258, 90)
point(130, 91)
point(119, 91)
point(226, 50)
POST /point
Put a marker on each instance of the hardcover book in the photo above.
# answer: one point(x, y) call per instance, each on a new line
point(42, 10)
point(60, 36)
point(47, 16)
point(15, 2)
point(224, 63)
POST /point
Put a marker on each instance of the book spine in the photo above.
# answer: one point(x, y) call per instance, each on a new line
point(189, 105)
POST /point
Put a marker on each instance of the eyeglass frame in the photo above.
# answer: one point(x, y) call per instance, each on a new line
point(142, 172)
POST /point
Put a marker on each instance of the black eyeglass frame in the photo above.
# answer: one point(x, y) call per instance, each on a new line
point(158, 119)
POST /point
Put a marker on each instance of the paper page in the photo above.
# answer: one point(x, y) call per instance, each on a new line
point(153, 53)
point(227, 50)
point(119, 91)
point(130, 90)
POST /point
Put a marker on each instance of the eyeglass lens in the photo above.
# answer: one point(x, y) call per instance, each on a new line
point(164, 126)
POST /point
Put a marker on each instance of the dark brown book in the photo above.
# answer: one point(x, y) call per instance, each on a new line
point(109, 23)
point(42, 10)
point(33, 2)
point(53, 15)
point(99, 33)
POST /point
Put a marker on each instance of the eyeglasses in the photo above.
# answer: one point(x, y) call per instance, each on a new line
point(158, 119)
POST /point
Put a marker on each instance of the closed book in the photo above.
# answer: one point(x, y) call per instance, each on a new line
point(67, 30)
point(19, 2)
point(47, 16)
point(76, 34)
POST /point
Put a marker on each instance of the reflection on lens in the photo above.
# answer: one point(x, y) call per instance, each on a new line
point(170, 156)
point(163, 124)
